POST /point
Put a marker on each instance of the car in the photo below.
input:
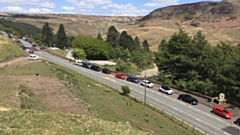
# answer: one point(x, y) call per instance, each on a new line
point(132, 79)
point(95, 68)
point(33, 57)
point(31, 51)
point(106, 71)
point(187, 98)
point(43, 47)
point(120, 76)
point(237, 122)
point(147, 83)
point(166, 89)
point(26, 49)
point(86, 64)
point(79, 62)
point(221, 111)
point(54, 48)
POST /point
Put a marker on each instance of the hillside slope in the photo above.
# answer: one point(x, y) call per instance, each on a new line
point(30, 122)
point(9, 50)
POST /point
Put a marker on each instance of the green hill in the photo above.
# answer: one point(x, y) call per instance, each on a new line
point(9, 50)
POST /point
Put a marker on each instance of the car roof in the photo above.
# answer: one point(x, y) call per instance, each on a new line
point(219, 107)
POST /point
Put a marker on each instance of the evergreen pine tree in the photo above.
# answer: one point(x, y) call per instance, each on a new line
point(112, 36)
point(61, 37)
point(145, 45)
point(126, 41)
point(47, 35)
point(99, 37)
point(137, 43)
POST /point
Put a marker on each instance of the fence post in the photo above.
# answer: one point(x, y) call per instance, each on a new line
point(193, 128)
point(205, 132)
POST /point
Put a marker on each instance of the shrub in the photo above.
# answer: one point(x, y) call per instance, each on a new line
point(125, 90)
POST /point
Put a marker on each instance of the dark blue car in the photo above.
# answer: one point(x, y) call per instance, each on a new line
point(132, 79)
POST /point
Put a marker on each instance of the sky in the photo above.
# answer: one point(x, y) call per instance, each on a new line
point(89, 7)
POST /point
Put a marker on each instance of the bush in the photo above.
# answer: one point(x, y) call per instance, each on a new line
point(125, 90)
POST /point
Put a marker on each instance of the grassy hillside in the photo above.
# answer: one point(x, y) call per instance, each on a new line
point(9, 49)
point(29, 122)
point(57, 89)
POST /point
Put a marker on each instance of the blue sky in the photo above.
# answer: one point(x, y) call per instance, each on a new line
point(90, 7)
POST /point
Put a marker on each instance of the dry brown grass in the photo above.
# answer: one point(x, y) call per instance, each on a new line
point(153, 30)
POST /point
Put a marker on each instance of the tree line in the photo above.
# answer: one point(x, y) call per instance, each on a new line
point(192, 63)
point(131, 56)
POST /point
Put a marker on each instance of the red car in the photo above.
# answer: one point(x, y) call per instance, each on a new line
point(222, 112)
point(31, 52)
point(121, 76)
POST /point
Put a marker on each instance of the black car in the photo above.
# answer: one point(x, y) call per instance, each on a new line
point(86, 64)
point(189, 99)
point(237, 122)
point(96, 68)
point(106, 71)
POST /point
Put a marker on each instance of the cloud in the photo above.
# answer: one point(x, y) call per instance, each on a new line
point(47, 5)
point(20, 2)
point(161, 3)
point(13, 9)
point(89, 3)
point(125, 10)
point(68, 9)
point(40, 10)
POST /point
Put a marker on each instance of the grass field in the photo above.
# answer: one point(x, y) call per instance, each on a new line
point(59, 52)
point(31, 122)
point(74, 93)
point(9, 49)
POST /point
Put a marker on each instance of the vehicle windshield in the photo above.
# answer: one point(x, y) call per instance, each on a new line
point(225, 111)
point(165, 87)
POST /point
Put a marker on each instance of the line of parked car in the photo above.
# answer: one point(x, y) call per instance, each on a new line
point(92, 66)
point(165, 89)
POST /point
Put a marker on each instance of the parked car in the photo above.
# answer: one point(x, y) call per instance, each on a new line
point(33, 57)
point(106, 71)
point(132, 79)
point(147, 83)
point(26, 49)
point(79, 62)
point(237, 122)
point(96, 68)
point(187, 98)
point(54, 48)
point(120, 75)
point(86, 64)
point(43, 47)
point(166, 89)
point(31, 51)
point(222, 112)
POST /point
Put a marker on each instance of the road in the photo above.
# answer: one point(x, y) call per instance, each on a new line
point(193, 115)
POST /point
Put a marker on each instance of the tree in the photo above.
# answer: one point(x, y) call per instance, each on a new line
point(62, 40)
point(162, 45)
point(126, 41)
point(79, 53)
point(47, 35)
point(145, 45)
point(125, 90)
point(99, 36)
point(137, 43)
point(94, 48)
point(112, 36)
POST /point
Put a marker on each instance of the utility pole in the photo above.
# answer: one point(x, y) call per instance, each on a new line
point(145, 89)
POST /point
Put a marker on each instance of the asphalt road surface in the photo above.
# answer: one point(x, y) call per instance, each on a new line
point(198, 116)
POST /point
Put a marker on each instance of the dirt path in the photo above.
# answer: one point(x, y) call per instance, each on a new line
point(149, 72)
point(21, 60)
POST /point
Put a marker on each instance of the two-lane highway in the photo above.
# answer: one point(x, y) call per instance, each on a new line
point(206, 122)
